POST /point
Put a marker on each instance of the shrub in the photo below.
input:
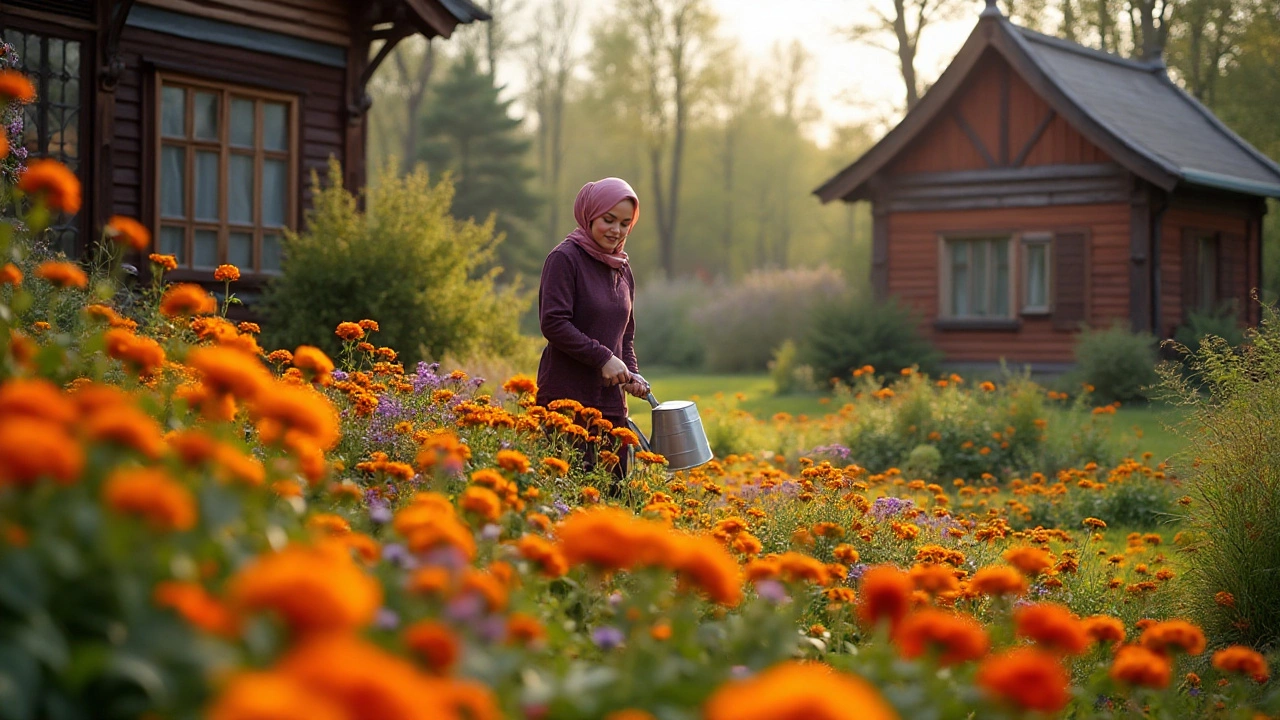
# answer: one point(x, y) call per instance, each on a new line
point(665, 333)
point(1220, 322)
point(1119, 364)
point(403, 262)
point(787, 374)
point(1233, 480)
point(743, 323)
point(857, 332)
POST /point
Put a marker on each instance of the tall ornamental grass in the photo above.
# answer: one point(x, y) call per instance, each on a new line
point(1232, 472)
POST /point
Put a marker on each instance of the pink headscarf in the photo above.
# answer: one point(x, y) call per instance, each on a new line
point(596, 199)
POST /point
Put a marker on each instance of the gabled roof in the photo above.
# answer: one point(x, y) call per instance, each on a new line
point(436, 17)
point(1129, 109)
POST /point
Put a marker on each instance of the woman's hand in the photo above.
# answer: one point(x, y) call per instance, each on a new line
point(637, 386)
point(614, 372)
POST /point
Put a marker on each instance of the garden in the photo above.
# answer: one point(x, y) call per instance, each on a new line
point(195, 525)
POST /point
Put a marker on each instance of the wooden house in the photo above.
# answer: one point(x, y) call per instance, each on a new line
point(1040, 185)
point(205, 118)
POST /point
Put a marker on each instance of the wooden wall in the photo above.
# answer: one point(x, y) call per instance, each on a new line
point(320, 88)
point(1008, 125)
point(913, 276)
point(322, 20)
point(1238, 247)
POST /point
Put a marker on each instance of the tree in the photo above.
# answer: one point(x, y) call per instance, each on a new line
point(497, 33)
point(899, 32)
point(469, 132)
point(414, 65)
point(1204, 39)
point(549, 60)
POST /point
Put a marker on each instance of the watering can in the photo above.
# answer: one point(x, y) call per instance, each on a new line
point(677, 432)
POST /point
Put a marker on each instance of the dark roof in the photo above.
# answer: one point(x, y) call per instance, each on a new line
point(1130, 109)
point(435, 17)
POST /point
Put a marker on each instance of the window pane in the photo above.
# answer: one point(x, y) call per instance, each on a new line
point(173, 242)
point(240, 190)
point(275, 126)
point(272, 253)
point(1000, 293)
point(959, 279)
point(242, 122)
point(206, 186)
point(1037, 276)
point(205, 252)
point(980, 294)
point(205, 111)
point(240, 250)
point(173, 178)
point(173, 111)
point(275, 192)
point(1208, 290)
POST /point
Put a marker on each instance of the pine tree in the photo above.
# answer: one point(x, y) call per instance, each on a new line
point(468, 130)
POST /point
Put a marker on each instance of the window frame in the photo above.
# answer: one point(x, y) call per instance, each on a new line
point(1045, 239)
point(1207, 287)
point(225, 91)
point(946, 313)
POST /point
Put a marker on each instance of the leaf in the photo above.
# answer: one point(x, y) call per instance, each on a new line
point(19, 684)
point(42, 639)
point(143, 673)
point(21, 584)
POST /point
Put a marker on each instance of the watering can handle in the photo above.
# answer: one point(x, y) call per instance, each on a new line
point(644, 441)
point(653, 401)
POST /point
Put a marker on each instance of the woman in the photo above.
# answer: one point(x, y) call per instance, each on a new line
point(584, 305)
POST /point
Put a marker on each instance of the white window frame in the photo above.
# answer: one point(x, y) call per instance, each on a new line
point(1039, 239)
point(946, 273)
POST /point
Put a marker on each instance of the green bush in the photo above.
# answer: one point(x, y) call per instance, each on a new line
point(743, 323)
point(1232, 473)
point(1119, 364)
point(665, 334)
point(857, 332)
point(1219, 322)
point(404, 262)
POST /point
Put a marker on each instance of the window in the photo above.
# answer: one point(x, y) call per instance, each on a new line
point(53, 125)
point(227, 179)
point(976, 278)
point(1036, 290)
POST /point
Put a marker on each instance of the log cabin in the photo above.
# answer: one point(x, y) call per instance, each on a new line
point(1041, 186)
point(204, 119)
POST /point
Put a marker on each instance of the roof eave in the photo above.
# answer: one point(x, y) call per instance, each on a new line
point(1217, 181)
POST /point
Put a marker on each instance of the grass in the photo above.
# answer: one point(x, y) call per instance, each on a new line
point(1147, 428)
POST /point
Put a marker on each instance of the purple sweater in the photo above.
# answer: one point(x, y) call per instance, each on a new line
point(585, 311)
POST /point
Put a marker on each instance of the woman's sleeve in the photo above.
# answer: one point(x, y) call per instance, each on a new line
point(555, 313)
point(629, 334)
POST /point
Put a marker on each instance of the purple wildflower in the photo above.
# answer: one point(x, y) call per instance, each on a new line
point(465, 607)
point(856, 572)
point(835, 450)
point(773, 591)
point(887, 507)
point(386, 619)
point(607, 637)
point(379, 514)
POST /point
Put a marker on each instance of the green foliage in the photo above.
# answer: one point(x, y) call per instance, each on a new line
point(743, 323)
point(1118, 363)
point(469, 132)
point(787, 374)
point(404, 261)
point(667, 336)
point(923, 462)
point(1220, 322)
point(1232, 473)
point(853, 333)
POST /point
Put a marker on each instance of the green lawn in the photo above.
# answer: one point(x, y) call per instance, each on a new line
point(1150, 422)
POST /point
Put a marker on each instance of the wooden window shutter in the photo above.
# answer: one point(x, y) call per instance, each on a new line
point(1070, 279)
point(1231, 248)
point(1190, 271)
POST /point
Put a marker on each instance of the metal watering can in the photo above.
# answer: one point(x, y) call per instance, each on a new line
point(678, 434)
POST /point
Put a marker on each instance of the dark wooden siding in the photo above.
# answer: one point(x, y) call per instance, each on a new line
point(319, 89)
point(1238, 271)
point(321, 20)
point(914, 275)
point(1012, 124)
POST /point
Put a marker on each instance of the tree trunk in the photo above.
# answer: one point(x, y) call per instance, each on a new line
point(413, 101)
point(906, 53)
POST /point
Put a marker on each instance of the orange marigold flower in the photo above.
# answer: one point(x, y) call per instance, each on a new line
point(314, 362)
point(36, 398)
point(934, 579)
point(1094, 523)
point(166, 262)
point(524, 629)
point(283, 409)
point(612, 539)
point(845, 553)
point(1029, 560)
point(32, 448)
point(312, 588)
point(798, 691)
point(1243, 660)
point(702, 562)
point(1225, 599)
point(998, 580)
point(798, 567)
point(958, 638)
point(130, 232)
point(14, 86)
point(542, 552)
point(370, 325)
point(884, 594)
point(435, 644)
point(10, 275)
point(1027, 678)
point(513, 461)
point(62, 274)
point(1138, 665)
point(226, 273)
point(520, 384)
point(1053, 627)
point(197, 606)
point(274, 696)
point(127, 426)
point(54, 182)
point(140, 353)
point(152, 494)
point(1173, 635)
point(481, 501)
point(625, 436)
point(187, 299)
point(1104, 628)
point(249, 327)
point(430, 521)
point(228, 371)
point(349, 331)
